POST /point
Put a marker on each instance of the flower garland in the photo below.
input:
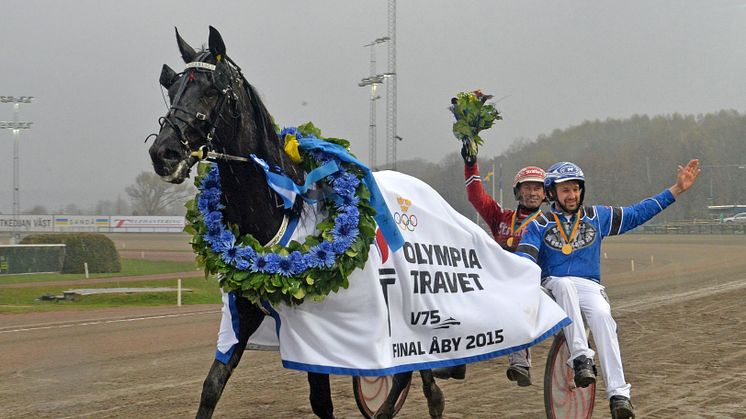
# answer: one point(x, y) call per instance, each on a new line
point(473, 114)
point(290, 274)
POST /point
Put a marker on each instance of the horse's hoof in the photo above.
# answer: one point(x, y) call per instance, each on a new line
point(436, 403)
point(384, 413)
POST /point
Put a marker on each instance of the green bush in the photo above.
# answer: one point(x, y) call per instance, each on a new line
point(26, 259)
point(95, 249)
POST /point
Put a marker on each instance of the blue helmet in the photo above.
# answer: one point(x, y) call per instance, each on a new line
point(562, 172)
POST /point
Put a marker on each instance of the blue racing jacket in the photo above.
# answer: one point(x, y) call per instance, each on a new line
point(542, 241)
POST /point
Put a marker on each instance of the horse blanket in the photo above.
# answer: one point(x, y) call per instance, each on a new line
point(450, 295)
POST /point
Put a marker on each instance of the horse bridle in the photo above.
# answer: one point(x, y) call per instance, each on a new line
point(227, 98)
point(177, 113)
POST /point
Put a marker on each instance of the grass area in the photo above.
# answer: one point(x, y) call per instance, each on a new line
point(24, 300)
point(130, 267)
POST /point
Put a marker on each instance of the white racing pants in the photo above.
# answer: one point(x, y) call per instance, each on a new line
point(581, 297)
point(520, 358)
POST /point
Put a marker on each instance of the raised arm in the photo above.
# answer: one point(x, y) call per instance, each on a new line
point(685, 178)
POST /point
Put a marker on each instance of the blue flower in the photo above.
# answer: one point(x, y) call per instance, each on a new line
point(211, 179)
point(265, 263)
point(243, 264)
point(230, 255)
point(247, 252)
point(347, 220)
point(209, 200)
point(343, 230)
point(344, 235)
point(340, 245)
point(346, 201)
point(345, 185)
point(225, 241)
point(214, 222)
point(321, 256)
point(245, 257)
point(284, 266)
point(351, 211)
point(212, 237)
point(286, 131)
point(297, 263)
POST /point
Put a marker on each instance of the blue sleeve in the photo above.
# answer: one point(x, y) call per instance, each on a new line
point(530, 242)
point(618, 220)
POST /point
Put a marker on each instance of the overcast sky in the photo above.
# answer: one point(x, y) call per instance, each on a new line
point(93, 67)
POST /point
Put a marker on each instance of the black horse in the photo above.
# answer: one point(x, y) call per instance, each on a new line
point(213, 108)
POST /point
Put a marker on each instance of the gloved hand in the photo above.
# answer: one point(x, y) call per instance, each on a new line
point(468, 159)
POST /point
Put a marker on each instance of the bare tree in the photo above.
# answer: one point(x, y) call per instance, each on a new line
point(38, 210)
point(118, 207)
point(150, 195)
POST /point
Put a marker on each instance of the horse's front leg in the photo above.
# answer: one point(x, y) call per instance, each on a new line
point(249, 319)
point(436, 403)
point(320, 395)
point(387, 409)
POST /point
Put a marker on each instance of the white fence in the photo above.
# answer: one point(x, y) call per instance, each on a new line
point(91, 223)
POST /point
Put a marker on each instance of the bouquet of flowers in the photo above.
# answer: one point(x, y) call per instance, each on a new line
point(473, 114)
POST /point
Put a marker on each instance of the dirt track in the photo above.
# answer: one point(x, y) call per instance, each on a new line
point(682, 328)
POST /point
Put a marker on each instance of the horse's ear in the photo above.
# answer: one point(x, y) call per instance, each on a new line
point(168, 76)
point(187, 53)
point(217, 46)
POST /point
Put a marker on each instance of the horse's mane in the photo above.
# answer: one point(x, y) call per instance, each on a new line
point(261, 113)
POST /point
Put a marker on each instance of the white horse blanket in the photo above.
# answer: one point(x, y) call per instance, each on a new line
point(451, 295)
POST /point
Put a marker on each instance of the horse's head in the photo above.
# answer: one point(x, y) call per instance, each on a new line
point(215, 109)
point(212, 109)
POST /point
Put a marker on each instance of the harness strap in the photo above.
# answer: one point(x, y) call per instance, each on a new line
point(281, 232)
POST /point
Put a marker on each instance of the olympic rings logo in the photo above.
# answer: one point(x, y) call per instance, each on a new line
point(405, 221)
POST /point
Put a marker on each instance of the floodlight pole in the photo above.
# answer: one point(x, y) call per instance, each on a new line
point(373, 81)
point(391, 134)
point(16, 126)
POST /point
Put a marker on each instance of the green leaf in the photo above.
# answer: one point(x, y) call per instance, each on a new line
point(363, 193)
point(309, 129)
point(339, 141)
point(351, 253)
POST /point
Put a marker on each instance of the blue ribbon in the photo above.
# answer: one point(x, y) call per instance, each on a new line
point(383, 216)
point(287, 189)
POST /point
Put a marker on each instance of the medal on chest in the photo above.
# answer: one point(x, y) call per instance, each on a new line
point(567, 246)
point(514, 230)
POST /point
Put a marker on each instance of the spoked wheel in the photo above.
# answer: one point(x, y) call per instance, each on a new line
point(371, 392)
point(562, 400)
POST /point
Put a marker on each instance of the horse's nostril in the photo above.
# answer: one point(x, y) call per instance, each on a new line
point(170, 155)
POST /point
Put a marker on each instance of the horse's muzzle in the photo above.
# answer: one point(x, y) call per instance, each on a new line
point(172, 165)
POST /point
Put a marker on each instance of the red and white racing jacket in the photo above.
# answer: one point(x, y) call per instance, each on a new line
point(499, 219)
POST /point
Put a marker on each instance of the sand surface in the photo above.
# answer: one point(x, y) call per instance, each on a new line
point(681, 314)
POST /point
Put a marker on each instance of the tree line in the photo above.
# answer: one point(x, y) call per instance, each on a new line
point(624, 161)
point(148, 195)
